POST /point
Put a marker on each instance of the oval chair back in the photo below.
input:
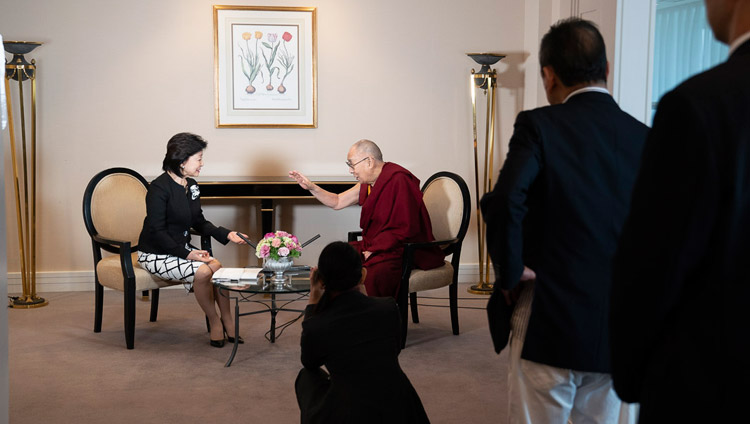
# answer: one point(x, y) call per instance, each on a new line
point(447, 206)
point(117, 205)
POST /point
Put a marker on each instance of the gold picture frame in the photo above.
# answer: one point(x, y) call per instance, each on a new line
point(265, 67)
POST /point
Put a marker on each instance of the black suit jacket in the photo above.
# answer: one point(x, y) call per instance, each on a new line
point(357, 338)
point(558, 207)
point(171, 211)
point(681, 297)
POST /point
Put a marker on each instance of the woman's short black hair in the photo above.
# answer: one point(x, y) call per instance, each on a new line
point(179, 149)
point(339, 266)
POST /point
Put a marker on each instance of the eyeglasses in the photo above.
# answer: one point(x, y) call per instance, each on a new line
point(352, 165)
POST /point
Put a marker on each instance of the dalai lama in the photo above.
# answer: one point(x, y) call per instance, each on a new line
point(393, 213)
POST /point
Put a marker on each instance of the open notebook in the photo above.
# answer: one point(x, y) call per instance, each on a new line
point(245, 275)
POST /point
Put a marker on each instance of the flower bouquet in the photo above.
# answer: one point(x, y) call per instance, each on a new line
point(277, 251)
point(278, 245)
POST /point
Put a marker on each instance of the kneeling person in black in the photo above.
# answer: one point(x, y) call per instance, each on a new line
point(357, 338)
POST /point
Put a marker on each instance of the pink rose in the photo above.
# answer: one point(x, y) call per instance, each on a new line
point(283, 251)
point(276, 242)
point(294, 239)
point(265, 250)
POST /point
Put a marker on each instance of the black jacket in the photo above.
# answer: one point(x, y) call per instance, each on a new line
point(681, 297)
point(558, 207)
point(171, 211)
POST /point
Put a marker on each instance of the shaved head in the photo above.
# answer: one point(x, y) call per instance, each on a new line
point(368, 148)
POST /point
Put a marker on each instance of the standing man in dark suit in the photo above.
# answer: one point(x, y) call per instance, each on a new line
point(680, 318)
point(555, 216)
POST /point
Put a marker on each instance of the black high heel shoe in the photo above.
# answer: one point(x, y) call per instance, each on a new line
point(217, 343)
point(230, 339)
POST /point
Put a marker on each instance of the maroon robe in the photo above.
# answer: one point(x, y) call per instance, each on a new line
point(393, 213)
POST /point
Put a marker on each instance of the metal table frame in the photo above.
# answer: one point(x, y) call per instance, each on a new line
point(298, 284)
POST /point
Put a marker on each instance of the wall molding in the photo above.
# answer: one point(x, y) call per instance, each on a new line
point(54, 281)
point(81, 281)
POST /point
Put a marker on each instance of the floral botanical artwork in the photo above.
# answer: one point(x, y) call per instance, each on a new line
point(265, 67)
point(265, 60)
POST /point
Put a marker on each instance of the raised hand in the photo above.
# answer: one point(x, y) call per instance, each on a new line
point(316, 287)
point(302, 180)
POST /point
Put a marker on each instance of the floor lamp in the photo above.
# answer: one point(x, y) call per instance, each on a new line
point(486, 80)
point(24, 180)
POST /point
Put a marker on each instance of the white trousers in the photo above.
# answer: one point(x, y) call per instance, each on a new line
point(542, 394)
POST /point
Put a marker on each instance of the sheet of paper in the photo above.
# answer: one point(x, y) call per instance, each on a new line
point(250, 274)
point(228, 274)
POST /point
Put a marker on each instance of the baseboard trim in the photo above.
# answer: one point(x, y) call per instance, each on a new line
point(54, 281)
point(67, 281)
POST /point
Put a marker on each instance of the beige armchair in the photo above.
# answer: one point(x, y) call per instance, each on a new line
point(446, 197)
point(114, 207)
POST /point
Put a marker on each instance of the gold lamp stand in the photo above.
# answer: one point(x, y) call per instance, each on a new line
point(485, 79)
point(18, 69)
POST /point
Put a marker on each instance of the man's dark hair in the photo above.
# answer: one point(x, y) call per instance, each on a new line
point(179, 149)
point(575, 50)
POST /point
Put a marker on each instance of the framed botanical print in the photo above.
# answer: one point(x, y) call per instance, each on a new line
point(265, 67)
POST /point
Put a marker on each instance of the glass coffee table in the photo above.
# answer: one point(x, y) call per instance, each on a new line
point(263, 291)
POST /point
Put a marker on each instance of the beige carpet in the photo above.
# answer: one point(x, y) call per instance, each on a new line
point(62, 372)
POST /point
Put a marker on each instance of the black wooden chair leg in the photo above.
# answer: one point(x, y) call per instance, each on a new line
point(402, 301)
point(98, 305)
point(129, 318)
point(453, 294)
point(403, 310)
point(154, 304)
point(414, 311)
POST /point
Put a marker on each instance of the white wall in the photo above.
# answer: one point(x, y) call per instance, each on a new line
point(117, 79)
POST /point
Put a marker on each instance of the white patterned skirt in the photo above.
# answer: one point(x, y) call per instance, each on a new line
point(170, 267)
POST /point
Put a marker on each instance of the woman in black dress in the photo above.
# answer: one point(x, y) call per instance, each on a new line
point(172, 208)
point(357, 338)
